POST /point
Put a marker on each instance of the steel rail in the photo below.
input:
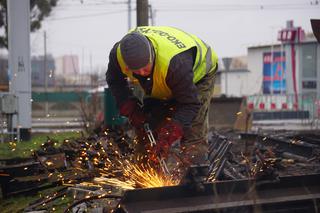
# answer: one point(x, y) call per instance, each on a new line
point(289, 194)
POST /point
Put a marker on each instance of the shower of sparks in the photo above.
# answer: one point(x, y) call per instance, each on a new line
point(140, 175)
point(124, 184)
point(123, 171)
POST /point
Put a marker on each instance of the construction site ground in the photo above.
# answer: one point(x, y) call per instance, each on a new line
point(53, 175)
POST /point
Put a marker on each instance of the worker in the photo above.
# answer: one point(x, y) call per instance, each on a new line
point(175, 68)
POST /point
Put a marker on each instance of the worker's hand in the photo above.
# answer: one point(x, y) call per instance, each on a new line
point(167, 133)
point(133, 112)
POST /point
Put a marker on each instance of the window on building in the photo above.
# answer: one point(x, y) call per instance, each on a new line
point(309, 61)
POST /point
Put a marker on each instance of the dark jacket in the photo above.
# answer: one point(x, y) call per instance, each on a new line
point(179, 79)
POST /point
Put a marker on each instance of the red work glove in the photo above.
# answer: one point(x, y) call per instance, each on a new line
point(133, 112)
point(167, 133)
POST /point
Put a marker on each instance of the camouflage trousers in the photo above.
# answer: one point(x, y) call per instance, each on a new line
point(200, 124)
point(194, 146)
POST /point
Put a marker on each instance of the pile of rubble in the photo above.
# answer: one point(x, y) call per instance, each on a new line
point(74, 165)
point(293, 153)
point(78, 164)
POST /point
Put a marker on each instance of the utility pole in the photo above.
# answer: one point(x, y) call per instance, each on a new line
point(142, 20)
point(129, 15)
point(45, 71)
point(281, 67)
point(142, 13)
point(91, 71)
point(82, 61)
point(151, 15)
point(272, 70)
point(226, 62)
point(20, 63)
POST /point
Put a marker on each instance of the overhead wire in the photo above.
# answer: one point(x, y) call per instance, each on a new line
point(189, 8)
point(86, 16)
point(92, 4)
point(232, 7)
point(205, 2)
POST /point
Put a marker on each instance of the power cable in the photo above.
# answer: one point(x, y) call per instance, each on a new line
point(106, 3)
point(196, 8)
point(86, 16)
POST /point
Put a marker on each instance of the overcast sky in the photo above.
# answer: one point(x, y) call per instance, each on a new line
point(89, 28)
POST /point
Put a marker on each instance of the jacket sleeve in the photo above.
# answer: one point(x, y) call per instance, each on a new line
point(116, 80)
point(180, 81)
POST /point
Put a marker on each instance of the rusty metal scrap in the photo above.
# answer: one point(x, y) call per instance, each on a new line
point(107, 161)
point(218, 149)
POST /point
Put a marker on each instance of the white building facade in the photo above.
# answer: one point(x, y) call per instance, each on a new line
point(286, 75)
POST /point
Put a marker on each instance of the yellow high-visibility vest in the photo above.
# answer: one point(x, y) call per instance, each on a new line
point(168, 42)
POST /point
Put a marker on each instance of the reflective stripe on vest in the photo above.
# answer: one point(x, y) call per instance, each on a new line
point(167, 43)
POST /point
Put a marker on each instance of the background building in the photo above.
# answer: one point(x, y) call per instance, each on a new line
point(231, 81)
point(67, 65)
point(285, 76)
point(291, 66)
point(41, 76)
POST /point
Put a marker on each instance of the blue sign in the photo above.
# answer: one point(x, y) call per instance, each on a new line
point(274, 73)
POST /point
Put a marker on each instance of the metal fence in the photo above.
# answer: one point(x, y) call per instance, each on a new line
point(305, 107)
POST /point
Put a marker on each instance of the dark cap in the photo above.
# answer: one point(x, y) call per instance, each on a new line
point(135, 50)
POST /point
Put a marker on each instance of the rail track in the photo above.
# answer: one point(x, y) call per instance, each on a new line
point(287, 194)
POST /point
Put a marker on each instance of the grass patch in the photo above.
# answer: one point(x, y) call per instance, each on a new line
point(25, 148)
point(19, 203)
point(16, 204)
